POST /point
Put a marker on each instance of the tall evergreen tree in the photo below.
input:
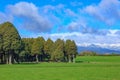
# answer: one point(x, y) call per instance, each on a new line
point(73, 51)
point(42, 41)
point(27, 47)
point(37, 47)
point(48, 48)
point(70, 50)
point(58, 53)
point(11, 40)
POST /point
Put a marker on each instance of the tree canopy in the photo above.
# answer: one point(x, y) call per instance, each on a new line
point(11, 40)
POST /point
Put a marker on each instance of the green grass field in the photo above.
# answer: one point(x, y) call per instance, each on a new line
point(86, 68)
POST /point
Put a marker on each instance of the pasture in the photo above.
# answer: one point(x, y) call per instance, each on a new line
point(85, 68)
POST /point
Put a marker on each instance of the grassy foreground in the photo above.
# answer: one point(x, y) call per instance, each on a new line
point(86, 68)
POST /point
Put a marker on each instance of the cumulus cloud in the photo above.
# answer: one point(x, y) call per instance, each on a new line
point(106, 11)
point(32, 20)
point(60, 10)
point(23, 9)
point(53, 12)
point(76, 26)
point(58, 15)
point(82, 27)
point(56, 8)
point(37, 19)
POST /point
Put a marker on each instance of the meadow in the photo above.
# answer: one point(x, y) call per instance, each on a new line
point(85, 68)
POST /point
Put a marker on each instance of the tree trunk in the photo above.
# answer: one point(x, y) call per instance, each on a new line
point(6, 59)
point(10, 58)
point(37, 58)
point(73, 58)
point(66, 59)
point(69, 59)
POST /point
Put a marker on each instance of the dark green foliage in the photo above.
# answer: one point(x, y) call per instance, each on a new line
point(11, 40)
point(41, 43)
point(37, 47)
point(48, 48)
point(35, 50)
point(58, 53)
point(26, 51)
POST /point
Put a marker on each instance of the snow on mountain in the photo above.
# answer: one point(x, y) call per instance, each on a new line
point(99, 48)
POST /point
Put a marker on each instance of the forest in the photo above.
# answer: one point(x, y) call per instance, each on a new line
point(14, 49)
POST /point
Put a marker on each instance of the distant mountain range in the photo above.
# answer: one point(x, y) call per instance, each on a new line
point(98, 49)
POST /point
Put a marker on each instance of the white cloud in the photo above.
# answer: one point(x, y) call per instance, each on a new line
point(76, 26)
point(59, 10)
point(51, 8)
point(32, 20)
point(53, 13)
point(106, 11)
point(23, 9)
point(82, 26)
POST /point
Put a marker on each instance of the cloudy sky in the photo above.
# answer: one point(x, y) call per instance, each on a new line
point(85, 21)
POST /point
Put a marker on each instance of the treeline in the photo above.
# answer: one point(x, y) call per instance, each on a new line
point(14, 49)
point(88, 53)
point(92, 53)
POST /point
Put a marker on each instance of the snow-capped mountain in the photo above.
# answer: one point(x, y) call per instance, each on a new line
point(101, 49)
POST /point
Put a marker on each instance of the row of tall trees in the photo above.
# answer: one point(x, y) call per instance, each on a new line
point(14, 49)
point(37, 49)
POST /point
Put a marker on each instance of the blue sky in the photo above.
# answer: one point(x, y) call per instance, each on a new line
point(85, 21)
